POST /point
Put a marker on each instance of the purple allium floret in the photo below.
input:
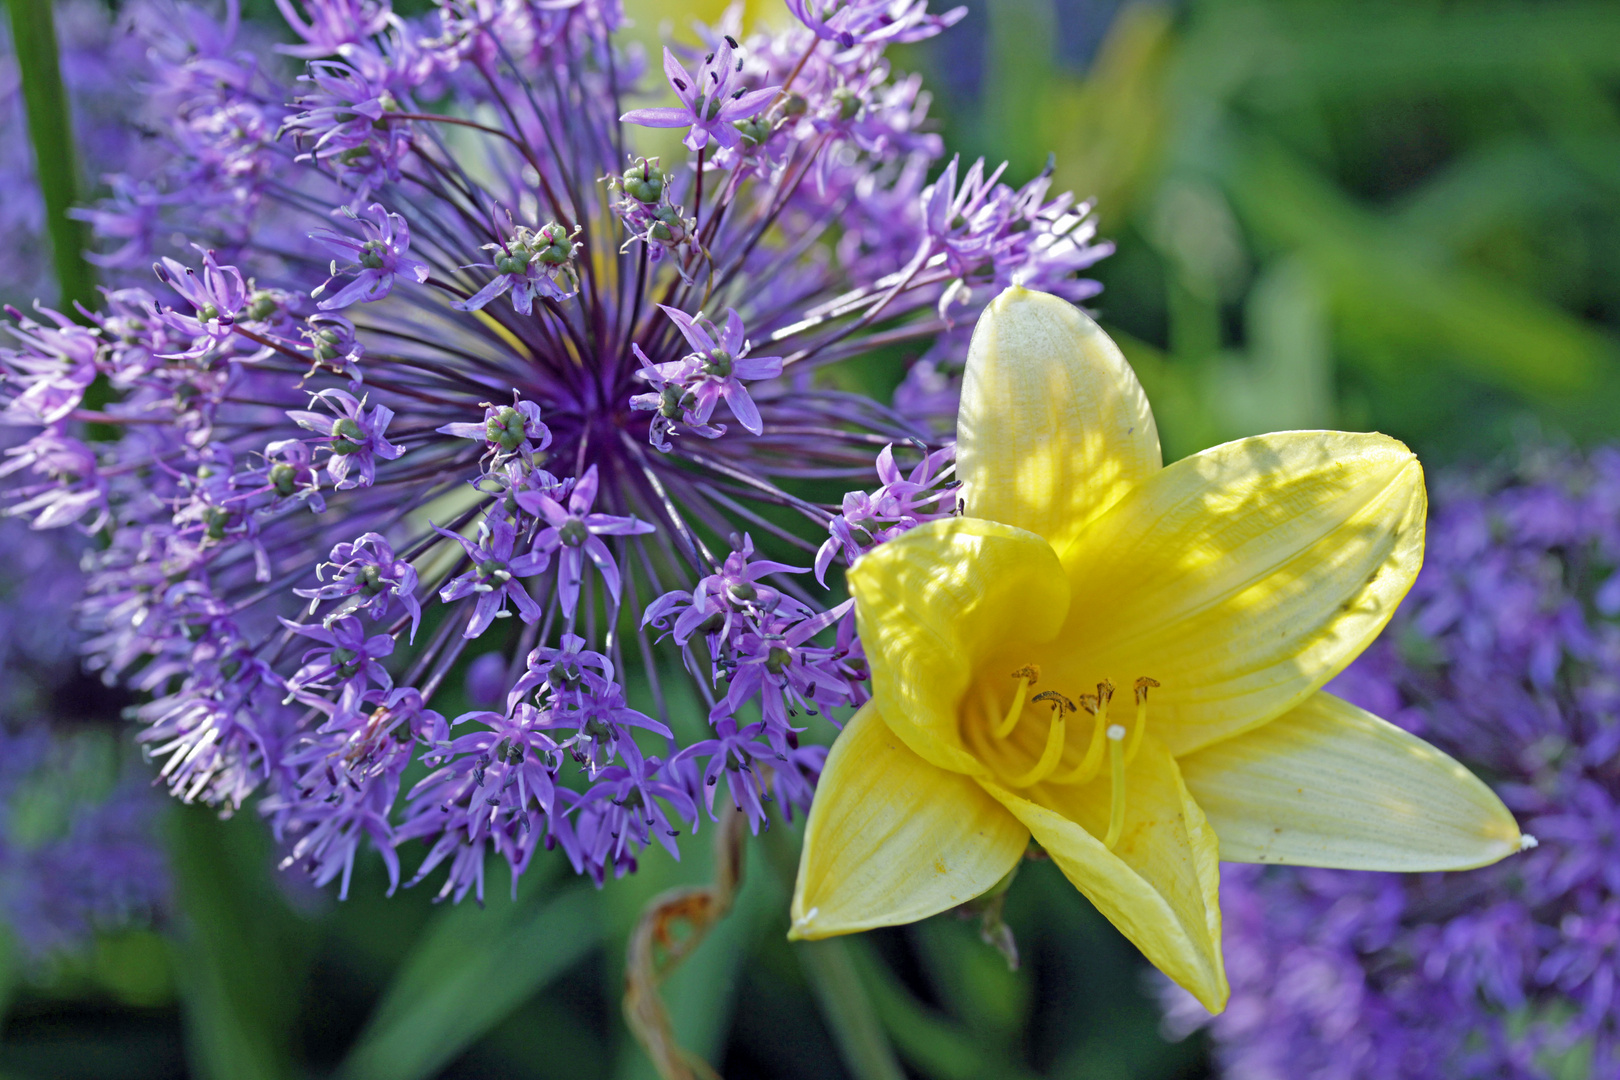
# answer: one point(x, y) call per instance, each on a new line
point(712, 101)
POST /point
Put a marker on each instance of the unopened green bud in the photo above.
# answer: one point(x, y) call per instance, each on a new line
point(849, 103)
point(284, 478)
point(514, 263)
point(753, 129)
point(347, 438)
point(262, 305)
point(505, 428)
point(644, 181)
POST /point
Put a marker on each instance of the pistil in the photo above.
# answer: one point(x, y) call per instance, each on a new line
point(1116, 767)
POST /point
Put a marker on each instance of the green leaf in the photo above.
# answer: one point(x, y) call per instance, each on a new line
point(928, 1041)
point(50, 130)
point(847, 1010)
point(239, 955)
point(1388, 288)
point(472, 968)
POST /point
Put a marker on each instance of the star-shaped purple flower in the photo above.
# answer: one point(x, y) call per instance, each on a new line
point(357, 437)
point(494, 576)
point(715, 369)
point(711, 102)
point(377, 258)
point(576, 533)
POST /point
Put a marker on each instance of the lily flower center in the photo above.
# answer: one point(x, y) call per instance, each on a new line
point(991, 730)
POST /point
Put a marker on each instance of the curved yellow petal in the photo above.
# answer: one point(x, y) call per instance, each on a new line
point(1328, 784)
point(1053, 426)
point(1160, 884)
point(892, 839)
point(1244, 577)
point(933, 603)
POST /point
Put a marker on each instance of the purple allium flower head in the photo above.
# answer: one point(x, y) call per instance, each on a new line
point(498, 238)
point(1503, 655)
point(712, 101)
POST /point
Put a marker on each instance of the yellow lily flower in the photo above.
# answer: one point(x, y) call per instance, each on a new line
point(1125, 661)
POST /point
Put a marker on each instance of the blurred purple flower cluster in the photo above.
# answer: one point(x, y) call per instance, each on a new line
point(78, 850)
point(378, 402)
point(1506, 654)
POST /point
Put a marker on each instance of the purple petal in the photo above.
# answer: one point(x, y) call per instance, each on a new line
point(659, 118)
point(743, 407)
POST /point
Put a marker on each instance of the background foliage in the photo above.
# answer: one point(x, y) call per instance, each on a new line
point(1392, 216)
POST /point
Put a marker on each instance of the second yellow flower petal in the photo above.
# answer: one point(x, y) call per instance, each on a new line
point(1053, 427)
point(892, 839)
point(1243, 578)
point(935, 602)
point(1328, 784)
point(1160, 883)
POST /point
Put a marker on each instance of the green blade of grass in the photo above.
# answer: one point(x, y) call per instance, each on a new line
point(473, 967)
point(50, 130)
point(239, 953)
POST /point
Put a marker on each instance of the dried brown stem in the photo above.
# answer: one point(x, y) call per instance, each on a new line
point(672, 926)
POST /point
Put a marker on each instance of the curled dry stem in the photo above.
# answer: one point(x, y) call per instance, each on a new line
point(672, 926)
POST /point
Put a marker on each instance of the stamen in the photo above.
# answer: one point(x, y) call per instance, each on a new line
point(1142, 686)
point(1053, 753)
point(1116, 766)
point(1096, 704)
point(1027, 676)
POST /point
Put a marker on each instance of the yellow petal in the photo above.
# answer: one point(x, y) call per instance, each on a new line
point(1160, 884)
point(1244, 577)
point(1053, 426)
point(892, 839)
point(1328, 784)
point(932, 604)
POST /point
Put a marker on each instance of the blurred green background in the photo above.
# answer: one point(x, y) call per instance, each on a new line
point(1402, 217)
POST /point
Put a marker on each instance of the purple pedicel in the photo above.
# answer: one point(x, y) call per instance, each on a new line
point(1505, 655)
point(431, 347)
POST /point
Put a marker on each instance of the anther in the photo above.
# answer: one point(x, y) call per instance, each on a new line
point(1053, 752)
point(1027, 676)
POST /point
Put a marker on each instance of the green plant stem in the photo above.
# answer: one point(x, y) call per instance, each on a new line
point(50, 130)
point(847, 1009)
